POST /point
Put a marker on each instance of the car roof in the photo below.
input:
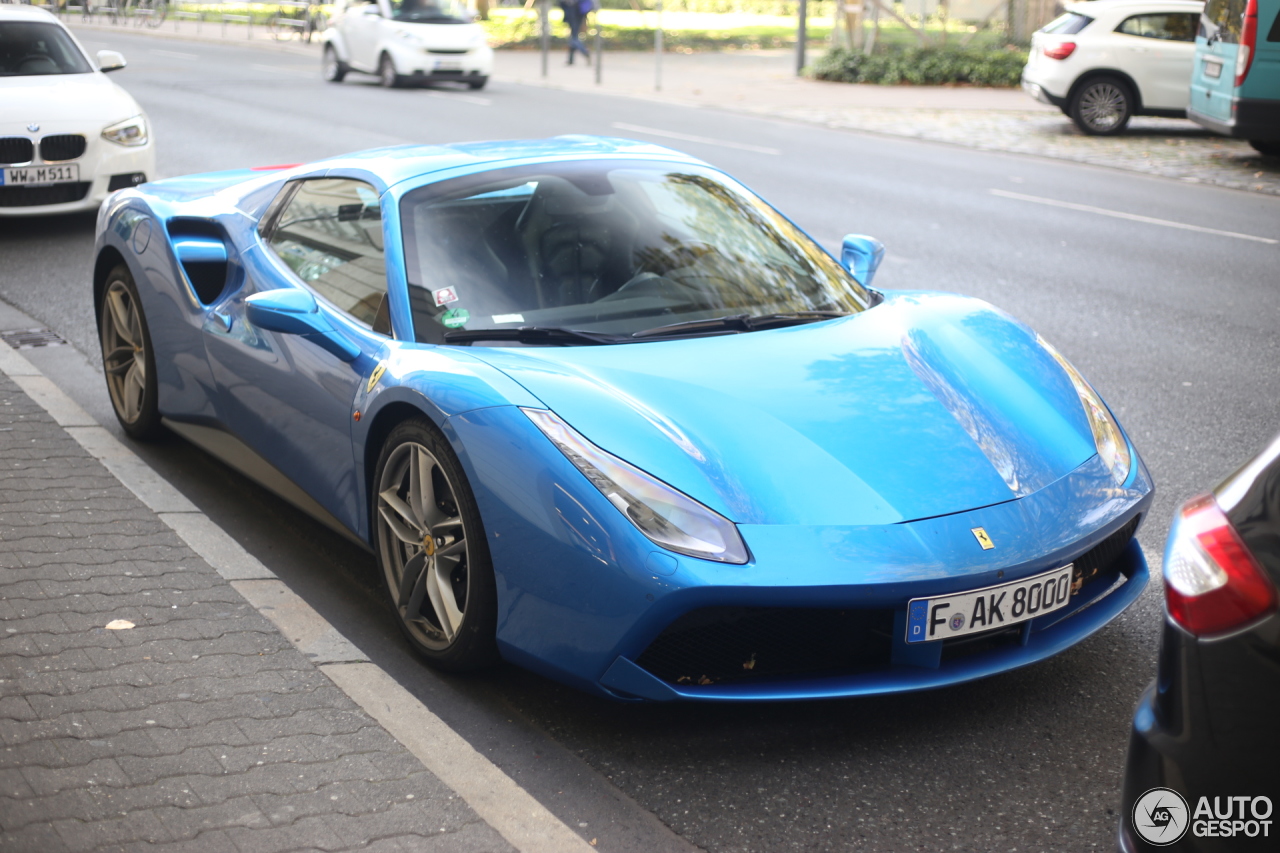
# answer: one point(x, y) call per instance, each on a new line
point(1093, 8)
point(14, 12)
point(403, 162)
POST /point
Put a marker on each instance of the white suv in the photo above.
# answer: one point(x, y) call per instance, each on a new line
point(1104, 61)
point(407, 41)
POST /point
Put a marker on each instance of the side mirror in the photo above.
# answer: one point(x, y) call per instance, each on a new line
point(861, 255)
point(295, 312)
point(110, 60)
point(371, 9)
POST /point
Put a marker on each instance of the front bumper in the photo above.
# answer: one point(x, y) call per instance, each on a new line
point(99, 164)
point(423, 65)
point(920, 667)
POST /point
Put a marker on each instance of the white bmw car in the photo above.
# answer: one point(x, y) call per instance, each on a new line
point(68, 135)
point(407, 42)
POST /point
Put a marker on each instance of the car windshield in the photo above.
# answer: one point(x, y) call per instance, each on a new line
point(609, 247)
point(430, 11)
point(29, 48)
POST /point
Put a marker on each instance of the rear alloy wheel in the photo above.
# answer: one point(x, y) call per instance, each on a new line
point(1102, 106)
point(333, 69)
point(127, 357)
point(387, 75)
point(432, 550)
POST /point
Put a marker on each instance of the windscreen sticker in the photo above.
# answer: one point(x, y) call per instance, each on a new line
point(455, 317)
point(444, 296)
point(508, 318)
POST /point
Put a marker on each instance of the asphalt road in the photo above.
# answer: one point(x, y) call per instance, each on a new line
point(1177, 327)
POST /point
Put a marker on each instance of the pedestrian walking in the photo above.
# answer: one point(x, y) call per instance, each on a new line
point(575, 13)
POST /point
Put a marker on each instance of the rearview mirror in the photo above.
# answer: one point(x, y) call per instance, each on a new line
point(295, 312)
point(861, 255)
point(110, 60)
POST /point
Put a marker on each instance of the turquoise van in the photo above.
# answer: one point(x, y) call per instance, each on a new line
point(1235, 82)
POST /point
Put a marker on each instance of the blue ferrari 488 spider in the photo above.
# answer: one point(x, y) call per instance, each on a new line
point(601, 411)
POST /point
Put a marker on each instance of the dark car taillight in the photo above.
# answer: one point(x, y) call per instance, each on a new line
point(1061, 50)
point(1248, 42)
point(1212, 582)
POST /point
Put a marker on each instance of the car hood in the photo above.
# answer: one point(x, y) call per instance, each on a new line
point(91, 98)
point(926, 405)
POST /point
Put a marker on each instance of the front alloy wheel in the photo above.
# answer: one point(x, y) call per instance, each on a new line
point(333, 69)
point(1102, 107)
point(431, 546)
point(387, 75)
point(127, 358)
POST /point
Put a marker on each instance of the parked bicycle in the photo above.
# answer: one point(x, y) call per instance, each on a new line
point(144, 12)
point(297, 16)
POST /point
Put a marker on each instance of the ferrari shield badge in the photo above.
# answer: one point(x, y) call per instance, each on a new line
point(375, 377)
point(980, 533)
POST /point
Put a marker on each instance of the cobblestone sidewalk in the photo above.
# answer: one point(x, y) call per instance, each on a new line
point(195, 726)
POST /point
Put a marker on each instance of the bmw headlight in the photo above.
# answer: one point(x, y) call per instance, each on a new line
point(670, 518)
point(1112, 448)
point(131, 132)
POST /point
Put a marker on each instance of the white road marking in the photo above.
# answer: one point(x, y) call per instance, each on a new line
point(688, 137)
point(174, 53)
point(287, 69)
point(497, 798)
point(458, 96)
point(1102, 211)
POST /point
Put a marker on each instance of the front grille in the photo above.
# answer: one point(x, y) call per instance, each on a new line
point(16, 149)
point(449, 51)
point(447, 72)
point(732, 643)
point(64, 146)
point(1102, 556)
point(52, 194)
point(718, 644)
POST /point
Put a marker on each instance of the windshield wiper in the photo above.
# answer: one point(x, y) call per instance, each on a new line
point(530, 335)
point(739, 323)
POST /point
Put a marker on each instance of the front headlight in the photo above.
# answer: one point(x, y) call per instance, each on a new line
point(1112, 448)
point(670, 518)
point(131, 132)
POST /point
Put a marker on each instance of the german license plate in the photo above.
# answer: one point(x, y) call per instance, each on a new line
point(448, 65)
point(945, 616)
point(1212, 69)
point(40, 175)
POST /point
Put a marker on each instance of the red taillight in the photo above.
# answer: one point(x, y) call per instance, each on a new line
point(273, 168)
point(1212, 584)
point(1061, 50)
point(1248, 42)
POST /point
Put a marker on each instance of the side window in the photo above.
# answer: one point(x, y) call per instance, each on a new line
point(1169, 26)
point(330, 234)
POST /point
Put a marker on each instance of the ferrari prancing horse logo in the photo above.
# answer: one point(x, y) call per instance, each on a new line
point(375, 376)
point(980, 533)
